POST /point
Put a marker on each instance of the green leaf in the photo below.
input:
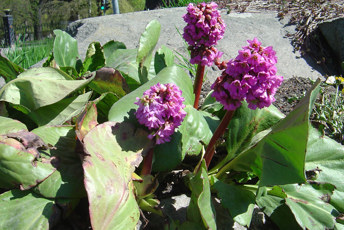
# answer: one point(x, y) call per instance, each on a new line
point(8, 69)
point(19, 167)
point(50, 61)
point(172, 74)
point(269, 202)
point(124, 60)
point(309, 209)
point(8, 125)
point(337, 200)
point(112, 153)
point(36, 89)
point(339, 226)
point(86, 121)
point(26, 210)
point(245, 124)
point(272, 202)
point(111, 47)
point(65, 49)
point(168, 156)
point(104, 103)
point(67, 180)
point(195, 129)
point(45, 72)
point(278, 156)
point(148, 41)
point(325, 157)
point(237, 200)
point(94, 59)
point(109, 80)
point(163, 57)
point(212, 106)
point(71, 71)
point(60, 112)
point(201, 195)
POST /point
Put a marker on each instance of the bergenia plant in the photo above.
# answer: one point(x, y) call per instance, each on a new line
point(203, 30)
point(123, 122)
point(251, 76)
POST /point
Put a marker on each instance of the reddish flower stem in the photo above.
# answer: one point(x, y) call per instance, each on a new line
point(147, 163)
point(209, 153)
point(198, 84)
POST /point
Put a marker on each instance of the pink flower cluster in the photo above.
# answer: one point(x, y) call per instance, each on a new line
point(161, 110)
point(204, 28)
point(251, 76)
point(204, 55)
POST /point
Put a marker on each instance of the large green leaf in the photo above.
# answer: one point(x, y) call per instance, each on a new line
point(111, 47)
point(65, 49)
point(201, 195)
point(8, 69)
point(112, 153)
point(46, 72)
point(148, 41)
point(172, 74)
point(26, 210)
point(60, 112)
point(325, 157)
point(238, 200)
point(19, 167)
point(124, 60)
point(309, 209)
point(194, 130)
point(278, 156)
point(245, 124)
point(38, 89)
point(94, 58)
point(67, 180)
point(8, 125)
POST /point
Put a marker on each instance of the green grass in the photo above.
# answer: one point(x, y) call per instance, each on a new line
point(180, 3)
point(328, 112)
point(26, 54)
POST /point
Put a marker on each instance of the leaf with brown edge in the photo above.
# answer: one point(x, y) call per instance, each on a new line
point(86, 121)
point(19, 167)
point(113, 150)
point(110, 80)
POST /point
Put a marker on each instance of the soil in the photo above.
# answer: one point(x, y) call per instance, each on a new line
point(290, 93)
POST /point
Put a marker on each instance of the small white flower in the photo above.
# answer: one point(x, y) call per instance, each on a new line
point(331, 80)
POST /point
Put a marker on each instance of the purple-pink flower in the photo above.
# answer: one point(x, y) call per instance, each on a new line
point(161, 110)
point(251, 76)
point(203, 30)
point(204, 25)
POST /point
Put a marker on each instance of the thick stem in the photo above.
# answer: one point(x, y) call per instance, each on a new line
point(147, 163)
point(198, 84)
point(209, 153)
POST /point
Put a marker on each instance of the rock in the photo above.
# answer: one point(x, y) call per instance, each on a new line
point(39, 64)
point(333, 31)
point(175, 207)
point(128, 27)
point(2, 82)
